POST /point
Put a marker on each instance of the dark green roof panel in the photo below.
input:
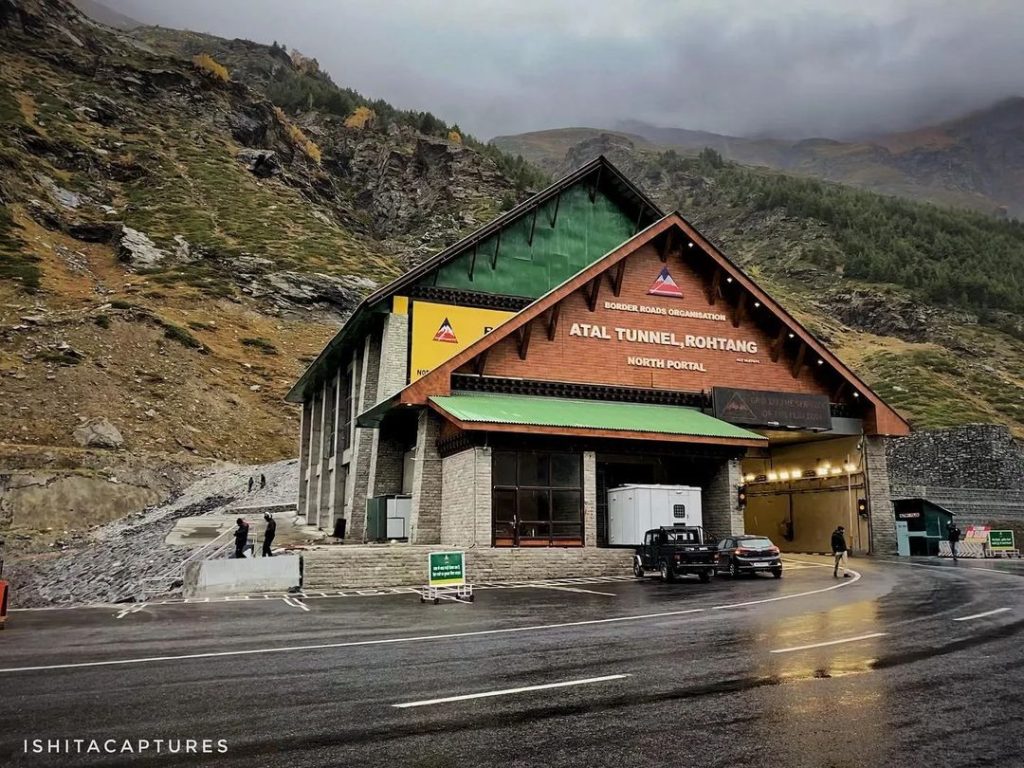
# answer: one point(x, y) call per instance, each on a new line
point(583, 232)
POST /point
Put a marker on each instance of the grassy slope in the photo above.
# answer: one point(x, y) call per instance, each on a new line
point(176, 356)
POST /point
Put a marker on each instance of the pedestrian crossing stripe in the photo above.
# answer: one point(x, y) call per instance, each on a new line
point(446, 333)
point(664, 285)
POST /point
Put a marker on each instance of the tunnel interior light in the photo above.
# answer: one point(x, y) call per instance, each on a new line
point(820, 361)
point(773, 476)
point(792, 335)
point(822, 471)
point(850, 467)
point(856, 394)
point(728, 279)
point(836, 470)
point(689, 245)
point(750, 477)
point(784, 474)
point(757, 304)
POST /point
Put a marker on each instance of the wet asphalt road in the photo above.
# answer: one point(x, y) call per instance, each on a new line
point(715, 675)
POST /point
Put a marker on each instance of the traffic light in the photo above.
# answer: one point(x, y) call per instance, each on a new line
point(862, 507)
point(741, 496)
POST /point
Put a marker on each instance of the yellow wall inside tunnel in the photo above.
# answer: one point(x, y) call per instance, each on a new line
point(808, 455)
point(815, 516)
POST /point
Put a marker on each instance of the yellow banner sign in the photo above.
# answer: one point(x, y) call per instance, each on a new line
point(440, 331)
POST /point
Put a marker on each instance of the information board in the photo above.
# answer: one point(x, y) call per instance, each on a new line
point(759, 408)
point(1000, 541)
point(446, 569)
point(440, 331)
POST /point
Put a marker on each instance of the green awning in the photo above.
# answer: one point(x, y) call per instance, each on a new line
point(529, 411)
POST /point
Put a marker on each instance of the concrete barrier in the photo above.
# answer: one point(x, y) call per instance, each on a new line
point(242, 576)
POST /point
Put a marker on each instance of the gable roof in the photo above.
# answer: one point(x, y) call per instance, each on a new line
point(603, 173)
point(438, 381)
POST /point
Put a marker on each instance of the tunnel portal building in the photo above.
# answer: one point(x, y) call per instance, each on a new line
point(584, 341)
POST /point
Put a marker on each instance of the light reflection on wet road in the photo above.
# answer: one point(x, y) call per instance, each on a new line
point(702, 685)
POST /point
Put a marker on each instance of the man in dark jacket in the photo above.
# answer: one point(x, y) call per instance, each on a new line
point(839, 550)
point(268, 535)
point(241, 537)
point(954, 539)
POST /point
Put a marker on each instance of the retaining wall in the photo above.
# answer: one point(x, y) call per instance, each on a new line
point(398, 565)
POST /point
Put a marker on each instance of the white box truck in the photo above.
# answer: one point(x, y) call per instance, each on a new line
point(635, 509)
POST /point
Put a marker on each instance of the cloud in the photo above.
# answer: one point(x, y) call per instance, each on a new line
point(793, 68)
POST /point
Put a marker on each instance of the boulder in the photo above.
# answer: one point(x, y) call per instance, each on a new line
point(99, 433)
point(263, 163)
point(138, 250)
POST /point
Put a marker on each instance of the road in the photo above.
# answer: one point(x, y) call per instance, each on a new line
point(905, 665)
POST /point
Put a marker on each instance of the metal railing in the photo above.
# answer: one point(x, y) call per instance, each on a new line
point(209, 551)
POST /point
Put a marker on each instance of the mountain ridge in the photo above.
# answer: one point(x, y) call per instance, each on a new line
point(975, 161)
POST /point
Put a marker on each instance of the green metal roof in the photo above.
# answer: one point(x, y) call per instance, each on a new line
point(588, 414)
point(577, 220)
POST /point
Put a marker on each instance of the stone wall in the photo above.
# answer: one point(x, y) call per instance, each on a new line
point(975, 471)
point(397, 565)
point(722, 514)
point(466, 499)
point(973, 456)
point(425, 525)
point(882, 518)
point(590, 498)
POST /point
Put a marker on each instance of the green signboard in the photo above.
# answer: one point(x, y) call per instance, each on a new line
point(446, 569)
point(1000, 541)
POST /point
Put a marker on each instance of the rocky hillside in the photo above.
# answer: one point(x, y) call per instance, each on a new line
point(976, 161)
point(174, 247)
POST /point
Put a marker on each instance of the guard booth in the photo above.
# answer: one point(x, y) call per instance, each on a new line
point(927, 525)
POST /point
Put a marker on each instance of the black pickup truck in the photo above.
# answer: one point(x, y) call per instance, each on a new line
point(675, 551)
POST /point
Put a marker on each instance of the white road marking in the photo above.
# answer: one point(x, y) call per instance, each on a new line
point(131, 609)
point(829, 642)
point(959, 567)
point(981, 615)
point(295, 603)
point(413, 639)
point(840, 585)
point(510, 691)
point(578, 589)
point(352, 643)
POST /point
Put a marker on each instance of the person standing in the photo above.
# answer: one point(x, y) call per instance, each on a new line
point(263, 481)
point(954, 539)
point(268, 535)
point(839, 550)
point(241, 537)
point(251, 483)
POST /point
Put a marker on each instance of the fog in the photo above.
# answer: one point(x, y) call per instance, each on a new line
point(785, 68)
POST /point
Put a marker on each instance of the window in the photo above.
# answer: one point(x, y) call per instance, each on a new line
point(537, 498)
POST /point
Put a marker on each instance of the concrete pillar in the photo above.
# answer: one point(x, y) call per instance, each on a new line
point(466, 499)
point(328, 432)
point(361, 457)
point(425, 525)
point(394, 357)
point(304, 429)
point(338, 468)
point(722, 514)
point(880, 510)
point(589, 499)
point(315, 447)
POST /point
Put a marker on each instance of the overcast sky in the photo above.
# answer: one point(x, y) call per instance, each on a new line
point(790, 68)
